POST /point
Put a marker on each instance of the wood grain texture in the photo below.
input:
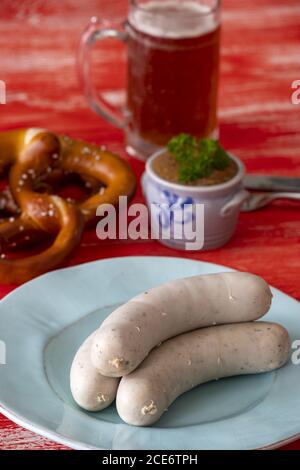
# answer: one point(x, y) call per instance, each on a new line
point(258, 122)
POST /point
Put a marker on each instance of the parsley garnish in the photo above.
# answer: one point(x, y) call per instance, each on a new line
point(197, 158)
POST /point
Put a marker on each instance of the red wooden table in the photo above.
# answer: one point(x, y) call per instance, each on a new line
point(259, 123)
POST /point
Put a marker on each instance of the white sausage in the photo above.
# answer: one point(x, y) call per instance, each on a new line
point(194, 358)
point(91, 390)
point(127, 336)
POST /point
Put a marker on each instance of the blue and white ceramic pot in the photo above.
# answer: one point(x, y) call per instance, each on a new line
point(180, 212)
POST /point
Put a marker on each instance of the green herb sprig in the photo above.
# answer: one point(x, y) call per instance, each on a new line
point(197, 158)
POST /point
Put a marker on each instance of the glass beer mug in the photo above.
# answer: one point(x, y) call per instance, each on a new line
point(172, 71)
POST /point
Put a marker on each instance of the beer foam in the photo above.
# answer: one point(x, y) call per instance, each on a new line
point(174, 20)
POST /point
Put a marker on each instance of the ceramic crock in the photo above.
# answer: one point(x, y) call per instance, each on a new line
point(221, 204)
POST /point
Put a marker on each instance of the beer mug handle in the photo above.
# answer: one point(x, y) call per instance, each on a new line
point(95, 32)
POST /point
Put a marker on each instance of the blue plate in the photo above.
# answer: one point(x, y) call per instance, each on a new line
point(43, 323)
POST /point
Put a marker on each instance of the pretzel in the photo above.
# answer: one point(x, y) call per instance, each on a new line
point(38, 159)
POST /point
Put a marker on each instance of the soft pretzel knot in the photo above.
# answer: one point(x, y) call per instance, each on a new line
point(39, 161)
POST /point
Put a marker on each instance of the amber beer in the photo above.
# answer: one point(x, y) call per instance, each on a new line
point(173, 70)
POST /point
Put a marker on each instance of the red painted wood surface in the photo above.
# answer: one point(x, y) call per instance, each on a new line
point(260, 60)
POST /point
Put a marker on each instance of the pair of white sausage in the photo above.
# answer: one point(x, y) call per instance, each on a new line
point(128, 335)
